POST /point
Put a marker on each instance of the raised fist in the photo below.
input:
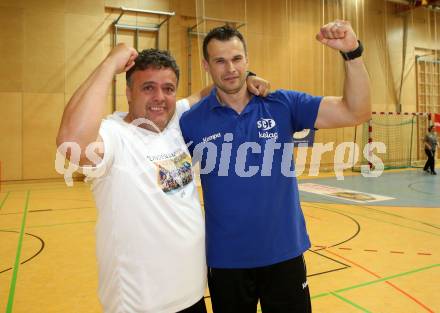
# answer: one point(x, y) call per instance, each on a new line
point(121, 58)
point(338, 35)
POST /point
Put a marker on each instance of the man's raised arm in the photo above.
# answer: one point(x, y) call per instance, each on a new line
point(82, 115)
point(355, 105)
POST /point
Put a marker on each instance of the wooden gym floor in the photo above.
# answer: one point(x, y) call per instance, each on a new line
point(366, 256)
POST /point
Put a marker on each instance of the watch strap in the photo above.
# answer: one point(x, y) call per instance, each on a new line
point(356, 53)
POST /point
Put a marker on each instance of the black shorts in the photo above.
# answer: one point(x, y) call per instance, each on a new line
point(199, 307)
point(280, 288)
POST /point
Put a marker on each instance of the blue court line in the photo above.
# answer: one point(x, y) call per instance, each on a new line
point(17, 257)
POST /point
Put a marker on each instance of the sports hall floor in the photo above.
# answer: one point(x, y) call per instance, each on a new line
point(380, 256)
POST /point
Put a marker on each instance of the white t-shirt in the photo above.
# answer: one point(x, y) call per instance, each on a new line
point(150, 230)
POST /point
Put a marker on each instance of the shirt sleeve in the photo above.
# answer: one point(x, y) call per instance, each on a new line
point(184, 128)
point(181, 107)
point(303, 108)
point(102, 166)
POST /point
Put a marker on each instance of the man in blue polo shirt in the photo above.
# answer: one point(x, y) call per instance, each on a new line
point(255, 229)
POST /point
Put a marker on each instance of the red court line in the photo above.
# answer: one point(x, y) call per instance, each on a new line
point(374, 250)
point(392, 285)
point(409, 296)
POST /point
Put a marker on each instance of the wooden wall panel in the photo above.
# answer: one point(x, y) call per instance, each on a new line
point(395, 48)
point(159, 5)
point(183, 8)
point(213, 8)
point(256, 55)
point(267, 17)
point(83, 49)
point(48, 47)
point(384, 58)
point(11, 136)
point(41, 118)
point(179, 48)
point(278, 68)
point(377, 58)
point(276, 18)
point(255, 19)
point(423, 33)
point(43, 66)
point(306, 52)
point(121, 103)
point(147, 40)
point(236, 10)
point(223, 9)
point(268, 42)
point(11, 49)
point(11, 3)
point(199, 77)
point(45, 6)
point(119, 3)
point(424, 26)
point(109, 107)
point(85, 7)
point(381, 88)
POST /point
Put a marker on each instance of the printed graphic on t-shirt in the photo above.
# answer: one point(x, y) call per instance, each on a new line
point(174, 173)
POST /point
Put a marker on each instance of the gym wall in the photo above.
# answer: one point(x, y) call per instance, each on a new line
point(48, 47)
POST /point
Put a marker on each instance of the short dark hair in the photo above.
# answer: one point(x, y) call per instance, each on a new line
point(222, 33)
point(153, 58)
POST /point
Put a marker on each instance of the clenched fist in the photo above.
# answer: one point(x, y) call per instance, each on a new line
point(121, 58)
point(338, 35)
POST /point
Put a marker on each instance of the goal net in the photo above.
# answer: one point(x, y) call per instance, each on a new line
point(402, 135)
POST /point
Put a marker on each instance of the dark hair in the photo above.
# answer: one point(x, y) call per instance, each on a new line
point(223, 33)
point(430, 128)
point(153, 58)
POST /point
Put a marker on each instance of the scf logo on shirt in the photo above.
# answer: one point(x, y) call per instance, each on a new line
point(265, 123)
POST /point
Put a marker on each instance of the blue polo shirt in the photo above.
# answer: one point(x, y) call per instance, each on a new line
point(252, 208)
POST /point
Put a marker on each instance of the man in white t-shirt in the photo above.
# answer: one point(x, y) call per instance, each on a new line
point(150, 229)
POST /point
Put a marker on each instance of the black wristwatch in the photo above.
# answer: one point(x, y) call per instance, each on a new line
point(356, 53)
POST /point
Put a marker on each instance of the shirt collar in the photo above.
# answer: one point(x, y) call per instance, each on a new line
point(214, 103)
